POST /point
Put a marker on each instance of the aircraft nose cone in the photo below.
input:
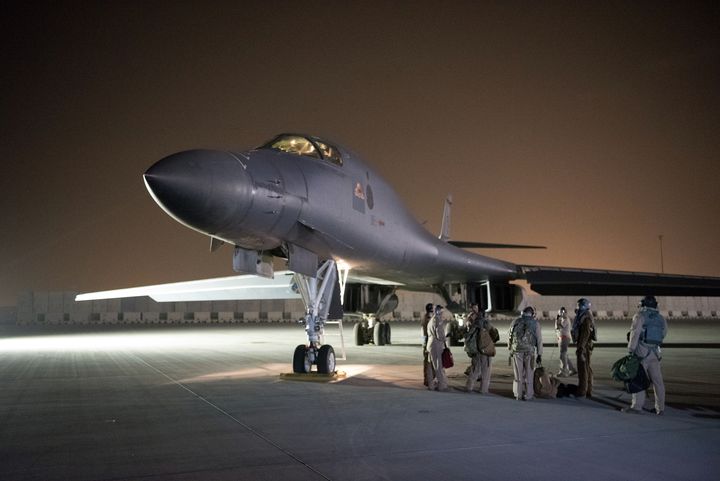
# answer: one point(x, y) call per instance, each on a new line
point(204, 189)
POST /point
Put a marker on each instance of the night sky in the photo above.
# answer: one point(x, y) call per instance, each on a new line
point(588, 127)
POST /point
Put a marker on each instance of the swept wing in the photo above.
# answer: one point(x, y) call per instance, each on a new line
point(576, 281)
point(243, 287)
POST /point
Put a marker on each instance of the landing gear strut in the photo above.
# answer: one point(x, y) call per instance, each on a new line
point(371, 330)
point(316, 293)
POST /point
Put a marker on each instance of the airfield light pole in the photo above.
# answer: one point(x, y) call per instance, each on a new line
point(662, 264)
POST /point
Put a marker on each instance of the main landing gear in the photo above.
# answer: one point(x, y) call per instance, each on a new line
point(317, 294)
point(371, 330)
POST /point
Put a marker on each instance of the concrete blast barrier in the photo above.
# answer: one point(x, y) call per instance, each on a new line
point(59, 307)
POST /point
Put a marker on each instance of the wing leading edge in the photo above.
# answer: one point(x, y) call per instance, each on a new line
point(574, 281)
point(491, 245)
point(244, 287)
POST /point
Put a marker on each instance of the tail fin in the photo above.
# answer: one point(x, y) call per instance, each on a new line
point(445, 228)
point(445, 235)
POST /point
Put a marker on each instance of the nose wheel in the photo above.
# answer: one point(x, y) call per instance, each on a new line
point(304, 358)
point(326, 359)
point(301, 361)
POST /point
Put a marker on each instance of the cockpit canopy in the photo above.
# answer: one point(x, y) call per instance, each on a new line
point(306, 146)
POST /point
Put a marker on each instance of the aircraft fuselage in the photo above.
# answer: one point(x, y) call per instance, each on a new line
point(267, 198)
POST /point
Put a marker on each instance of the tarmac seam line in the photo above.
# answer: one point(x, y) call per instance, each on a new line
point(233, 418)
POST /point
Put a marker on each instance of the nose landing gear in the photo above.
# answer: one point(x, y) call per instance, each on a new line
point(304, 358)
point(317, 294)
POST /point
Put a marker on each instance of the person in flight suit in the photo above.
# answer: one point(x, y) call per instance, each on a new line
point(562, 329)
point(435, 347)
point(524, 340)
point(427, 366)
point(647, 332)
point(583, 333)
point(480, 364)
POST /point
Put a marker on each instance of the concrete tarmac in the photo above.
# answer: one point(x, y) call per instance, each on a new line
point(208, 403)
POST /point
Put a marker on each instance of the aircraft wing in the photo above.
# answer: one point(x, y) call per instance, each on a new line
point(233, 288)
point(360, 279)
point(242, 287)
point(490, 245)
point(567, 281)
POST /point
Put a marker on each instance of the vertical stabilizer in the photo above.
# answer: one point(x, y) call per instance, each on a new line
point(445, 228)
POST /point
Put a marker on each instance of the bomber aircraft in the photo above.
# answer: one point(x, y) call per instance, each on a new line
point(348, 240)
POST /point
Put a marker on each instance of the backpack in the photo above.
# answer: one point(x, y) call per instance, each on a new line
point(471, 341)
point(640, 382)
point(626, 368)
point(653, 330)
point(567, 390)
point(494, 334)
point(523, 336)
point(545, 385)
point(487, 344)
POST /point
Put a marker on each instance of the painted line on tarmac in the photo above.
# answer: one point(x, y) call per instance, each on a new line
point(314, 376)
point(233, 418)
point(666, 345)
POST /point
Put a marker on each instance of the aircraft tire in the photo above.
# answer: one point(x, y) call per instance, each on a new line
point(379, 334)
point(301, 365)
point(326, 359)
point(387, 333)
point(359, 334)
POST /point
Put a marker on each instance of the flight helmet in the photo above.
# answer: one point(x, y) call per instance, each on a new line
point(529, 311)
point(583, 305)
point(649, 301)
point(429, 307)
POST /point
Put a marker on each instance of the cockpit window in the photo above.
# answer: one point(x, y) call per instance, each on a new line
point(293, 144)
point(329, 152)
point(299, 145)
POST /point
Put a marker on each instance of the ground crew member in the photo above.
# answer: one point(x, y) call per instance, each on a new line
point(562, 329)
point(646, 334)
point(472, 322)
point(524, 341)
point(484, 359)
point(435, 347)
point(583, 332)
point(427, 366)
